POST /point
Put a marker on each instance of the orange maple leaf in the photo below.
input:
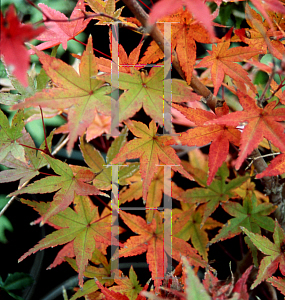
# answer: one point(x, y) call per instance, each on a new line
point(276, 167)
point(223, 60)
point(261, 36)
point(185, 32)
point(151, 239)
point(259, 123)
point(82, 229)
point(152, 152)
point(219, 135)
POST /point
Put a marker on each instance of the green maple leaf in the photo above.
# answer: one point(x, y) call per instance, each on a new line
point(67, 184)
point(188, 226)
point(9, 136)
point(274, 251)
point(82, 94)
point(250, 215)
point(103, 273)
point(96, 162)
point(25, 171)
point(147, 91)
point(82, 226)
point(218, 191)
point(151, 150)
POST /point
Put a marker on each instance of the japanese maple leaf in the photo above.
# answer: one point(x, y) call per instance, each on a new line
point(67, 184)
point(81, 226)
point(102, 272)
point(28, 169)
point(259, 123)
point(125, 62)
point(80, 93)
point(278, 282)
point(9, 136)
point(128, 286)
point(218, 191)
point(98, 164)
point(223, 60)
point(185, 32)
point(152, 152)
point(218, 135)
point(154, 195)
point(151, 239)
point(260, 36)
point(276, 167)
point(148, 92)
point(198, 8)
point(63, 31)
point(187, 226)
point(274, 251)
point(13, 35)
point(250, 215)
point(107, 7)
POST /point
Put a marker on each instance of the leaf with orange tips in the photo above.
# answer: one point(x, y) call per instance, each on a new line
point(260, 122)
point(223, 60)
point(82, 226)
point(151, 239)
point(149, 147)
point(81, 94)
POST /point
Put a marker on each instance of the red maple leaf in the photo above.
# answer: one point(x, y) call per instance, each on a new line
point(219, 135)
point(61, 32)
point(13, 35)
point(151, 240)
point(276, 167)
point(260, 122)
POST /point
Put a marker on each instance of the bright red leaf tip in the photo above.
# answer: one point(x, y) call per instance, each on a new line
point(65, 30)
point(13, 35)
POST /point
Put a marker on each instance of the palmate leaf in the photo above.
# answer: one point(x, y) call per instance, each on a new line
point(150, 148)
point(147, 91)
point(219, 136)
point(63, 31)
point(223, 60)
point(25, 171)
point(97, 163)
point(10, 134)
point(185, 32)
point(151, 239)
point(13, 36)
point(82, 226)
point(198, 8)
point(259, 36)
point(218, 191)
point(274, 251)
point(67, 184)
point(259, 123)
point(82, 94)
point(276, 167)
point(188, 226)
point(102, 273)
point(250, 215)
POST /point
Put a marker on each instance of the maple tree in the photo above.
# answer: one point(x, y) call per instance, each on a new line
point(172, 171)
